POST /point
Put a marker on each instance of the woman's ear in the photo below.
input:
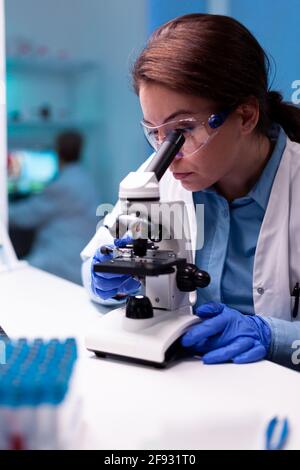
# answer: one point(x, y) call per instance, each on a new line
point(249, 115)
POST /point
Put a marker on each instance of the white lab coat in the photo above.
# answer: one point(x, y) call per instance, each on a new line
point(277, 257)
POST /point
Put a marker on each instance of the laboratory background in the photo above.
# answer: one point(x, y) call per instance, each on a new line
point(68, 68)
point(72, 134)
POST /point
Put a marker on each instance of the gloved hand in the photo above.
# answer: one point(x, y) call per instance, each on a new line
point(108, 285)
point(226, 335)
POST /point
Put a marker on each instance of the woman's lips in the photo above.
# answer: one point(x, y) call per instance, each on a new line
point(181, 176)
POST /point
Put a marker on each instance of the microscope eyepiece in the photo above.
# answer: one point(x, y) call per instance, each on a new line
point(166, 154)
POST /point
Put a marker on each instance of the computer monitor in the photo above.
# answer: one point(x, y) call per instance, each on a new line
point(29, 171)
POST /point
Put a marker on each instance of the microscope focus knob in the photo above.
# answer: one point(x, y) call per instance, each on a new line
point(140, 247)
point(189, 277)
point(139, 307)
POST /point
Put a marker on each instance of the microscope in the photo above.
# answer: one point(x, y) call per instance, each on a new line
point(149, 327)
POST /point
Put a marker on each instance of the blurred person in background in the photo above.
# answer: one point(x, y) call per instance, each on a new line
point(63, 216)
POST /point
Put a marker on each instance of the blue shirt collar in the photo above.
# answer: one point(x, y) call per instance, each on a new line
point(260, 192)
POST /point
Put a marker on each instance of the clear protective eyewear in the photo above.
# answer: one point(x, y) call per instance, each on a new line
point(197, 132)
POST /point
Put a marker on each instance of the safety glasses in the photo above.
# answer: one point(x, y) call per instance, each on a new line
point(197, 132)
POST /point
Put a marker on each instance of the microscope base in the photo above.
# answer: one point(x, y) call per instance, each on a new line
point(152, 341)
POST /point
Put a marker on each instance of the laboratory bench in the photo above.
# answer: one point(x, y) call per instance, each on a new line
point(188, 405)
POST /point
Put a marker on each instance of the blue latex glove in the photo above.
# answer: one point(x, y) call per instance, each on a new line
point(108, 285)
point(227, 335)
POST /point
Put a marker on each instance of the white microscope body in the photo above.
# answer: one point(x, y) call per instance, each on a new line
point(148, 328)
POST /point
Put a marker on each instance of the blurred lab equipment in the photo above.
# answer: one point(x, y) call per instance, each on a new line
point(30, 171)
point(39, 403)
point(277, 433)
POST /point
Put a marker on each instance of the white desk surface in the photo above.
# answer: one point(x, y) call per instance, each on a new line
point(187, 406)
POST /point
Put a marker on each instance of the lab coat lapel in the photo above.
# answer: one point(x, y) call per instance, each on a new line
point(271, 273)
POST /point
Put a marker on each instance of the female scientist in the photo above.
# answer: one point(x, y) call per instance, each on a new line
point(208, 76)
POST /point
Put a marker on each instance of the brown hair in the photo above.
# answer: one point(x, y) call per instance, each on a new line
point(215, 57)
point(68, 146)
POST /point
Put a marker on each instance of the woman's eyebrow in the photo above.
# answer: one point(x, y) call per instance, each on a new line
point(180, 112)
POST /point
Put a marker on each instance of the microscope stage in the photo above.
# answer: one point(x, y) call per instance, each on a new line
point(139, 267)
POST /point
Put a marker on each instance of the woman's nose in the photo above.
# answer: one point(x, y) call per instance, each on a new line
point(160, 138)
point(177, 157)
